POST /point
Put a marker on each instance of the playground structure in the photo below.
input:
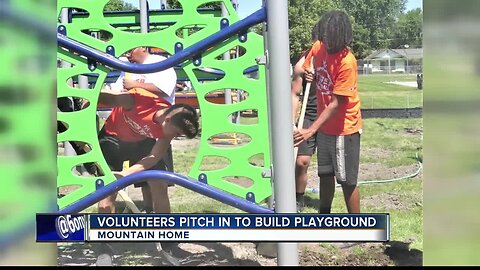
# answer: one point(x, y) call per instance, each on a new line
point(217, 32)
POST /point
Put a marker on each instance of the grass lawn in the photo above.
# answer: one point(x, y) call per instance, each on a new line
point(402, 199)
point(375, 93)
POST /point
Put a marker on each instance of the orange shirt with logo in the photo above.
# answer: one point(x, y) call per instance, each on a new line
point(336, 74)
point(137, 123)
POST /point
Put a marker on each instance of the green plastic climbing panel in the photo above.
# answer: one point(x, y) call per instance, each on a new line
point(187, 26)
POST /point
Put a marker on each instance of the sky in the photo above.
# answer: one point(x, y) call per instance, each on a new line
point(247, 7)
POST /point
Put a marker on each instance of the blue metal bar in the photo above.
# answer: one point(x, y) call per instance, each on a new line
point(181, 180)
point(239, 27)
point(115, 74)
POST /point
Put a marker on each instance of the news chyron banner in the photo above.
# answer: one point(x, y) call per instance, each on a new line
point(213, 227)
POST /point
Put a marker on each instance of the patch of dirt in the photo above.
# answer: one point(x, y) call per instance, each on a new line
point(244, 254)
point(413, 131)
point(389, 201)
point(368, 172)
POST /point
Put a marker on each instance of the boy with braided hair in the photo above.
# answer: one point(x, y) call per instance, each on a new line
point(339, 121)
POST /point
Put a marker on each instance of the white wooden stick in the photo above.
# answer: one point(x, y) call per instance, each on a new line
point(302, 114)
point(128, 201)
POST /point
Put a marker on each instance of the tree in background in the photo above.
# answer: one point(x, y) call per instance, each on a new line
point(409, 29)
point(118, 5)
point(374, 23)
point(176, 4)
point(302, 17)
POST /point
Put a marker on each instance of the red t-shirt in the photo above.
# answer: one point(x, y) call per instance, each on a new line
point(137, 123)
point(336, 74)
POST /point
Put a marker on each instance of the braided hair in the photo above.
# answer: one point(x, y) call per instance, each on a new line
point(336, 33)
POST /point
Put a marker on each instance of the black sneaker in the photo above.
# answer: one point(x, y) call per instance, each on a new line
point(300, 207)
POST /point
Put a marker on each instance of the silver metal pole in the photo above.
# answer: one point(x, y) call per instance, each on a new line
point(282, 125)
point(82, 84)
point(226, 56)
point(64, 20)
point(67, 148)
point(271, 199)
point(163, 4)
point(239, 92)
point(235, 5)
point(143, 16)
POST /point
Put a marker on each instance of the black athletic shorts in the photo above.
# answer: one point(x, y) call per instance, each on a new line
point(117, 151)
point(307, 148)
point(339, 156)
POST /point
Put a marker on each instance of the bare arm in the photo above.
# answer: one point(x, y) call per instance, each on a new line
point(296, 86)
point(158, 151)
point(108, 98)
point(303, 134)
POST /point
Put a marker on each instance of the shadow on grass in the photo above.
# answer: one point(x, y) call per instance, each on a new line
point(312, 202)
point(399, 253)
point(216, 254)
point(146, 254)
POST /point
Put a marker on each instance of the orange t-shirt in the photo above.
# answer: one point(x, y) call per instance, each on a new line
point(336, 74)
point(137, 123)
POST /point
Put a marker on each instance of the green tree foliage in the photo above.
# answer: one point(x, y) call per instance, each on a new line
point(409, 29)
point(303, 15)
point(374, 23)
point(118, 5)
point(176, 4)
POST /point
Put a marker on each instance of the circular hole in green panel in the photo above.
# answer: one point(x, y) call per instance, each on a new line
point(75, 103)
point(241, 181)
point(128, 17)
point(257, 160)
point(76, 170)
point(67, 189)
point(189, 30)
point(212, 163)
point(218, 96)
point(100, 34)
point(81, 147)
point(229, 139)
point(247, 117)
point(210, 5)
point(61, 127)
point(251, 72)
point(208, 74)
point(78, 14)
point(234, 52)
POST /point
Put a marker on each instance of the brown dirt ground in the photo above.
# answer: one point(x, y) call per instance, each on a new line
point(245, 254)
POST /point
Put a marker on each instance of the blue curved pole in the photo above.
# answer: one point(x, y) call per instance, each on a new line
point(181, 180)
point(111, 61)
point(219, 73)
